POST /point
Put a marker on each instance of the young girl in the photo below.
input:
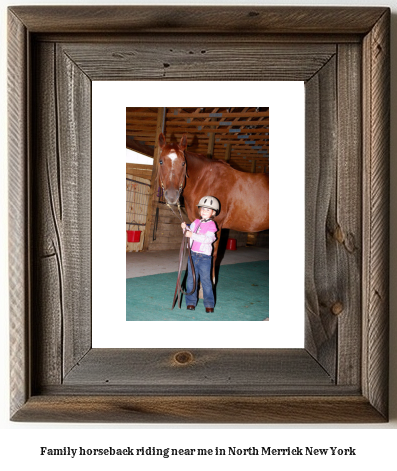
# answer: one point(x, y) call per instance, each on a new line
point(202, 236)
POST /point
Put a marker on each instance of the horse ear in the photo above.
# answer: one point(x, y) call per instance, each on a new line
point(183, 143)
point(161, 140)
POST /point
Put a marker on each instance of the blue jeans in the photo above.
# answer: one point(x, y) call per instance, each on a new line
point(202, 267)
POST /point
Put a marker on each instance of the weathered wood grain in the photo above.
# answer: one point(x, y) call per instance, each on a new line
point(198, 19)
point(19, 218)
point(168, 59)
point(321, 260)
point(347, 227)
point(47, 200)
point(198, 409)
point(333, 215)
point(376, 142)
point(73, 89)
point(203, 371)
point(337, 377)
point(62, 205)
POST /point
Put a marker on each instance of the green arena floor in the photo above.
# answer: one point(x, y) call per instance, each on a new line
point(241, 294)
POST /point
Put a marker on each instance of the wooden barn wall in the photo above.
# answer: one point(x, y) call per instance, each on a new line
point(139, 170)
point(136, 209)
point(168, 233)
point(143, 174)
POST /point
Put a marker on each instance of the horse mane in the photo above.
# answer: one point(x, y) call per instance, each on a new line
point(205, 159)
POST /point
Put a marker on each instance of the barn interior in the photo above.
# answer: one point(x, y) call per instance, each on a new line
point(238, 136)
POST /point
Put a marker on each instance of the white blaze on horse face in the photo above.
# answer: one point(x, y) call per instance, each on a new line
point(173, 156)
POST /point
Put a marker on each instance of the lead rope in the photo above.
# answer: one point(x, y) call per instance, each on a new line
point(179, 209)
point(185, 243)
point(178, 288)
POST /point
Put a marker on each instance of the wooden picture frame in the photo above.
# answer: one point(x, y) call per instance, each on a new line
point(342, 54)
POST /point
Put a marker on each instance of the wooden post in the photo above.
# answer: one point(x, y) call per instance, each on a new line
point(228, 151)
point(154, 180)
point(211, 141)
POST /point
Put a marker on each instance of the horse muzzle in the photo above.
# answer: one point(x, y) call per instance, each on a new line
point(171, 196)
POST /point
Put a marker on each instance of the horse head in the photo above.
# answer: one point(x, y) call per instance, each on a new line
point(172, 168)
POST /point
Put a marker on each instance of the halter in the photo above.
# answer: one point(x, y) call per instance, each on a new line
point(179, 193)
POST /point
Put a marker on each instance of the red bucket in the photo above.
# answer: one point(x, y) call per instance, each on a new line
point(133, 236)
point(231, 244)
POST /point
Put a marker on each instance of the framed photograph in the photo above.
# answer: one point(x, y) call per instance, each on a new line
point(342, 56)
point(150, 297)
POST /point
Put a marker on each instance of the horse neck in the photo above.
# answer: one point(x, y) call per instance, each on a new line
point(195, 168)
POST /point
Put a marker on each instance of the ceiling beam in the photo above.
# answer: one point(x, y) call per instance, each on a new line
point(136, 146)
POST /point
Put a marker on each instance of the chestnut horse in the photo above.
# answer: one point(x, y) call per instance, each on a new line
point(243, 197)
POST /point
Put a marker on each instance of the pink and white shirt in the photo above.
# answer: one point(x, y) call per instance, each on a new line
point(202, 240)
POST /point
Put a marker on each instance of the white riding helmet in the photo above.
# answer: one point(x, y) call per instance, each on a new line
point(209, 202)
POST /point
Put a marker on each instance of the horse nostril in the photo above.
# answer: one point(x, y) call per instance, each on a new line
point(171, 195)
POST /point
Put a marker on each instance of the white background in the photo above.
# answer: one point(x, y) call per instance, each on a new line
point(375, 443)
point(286, 326)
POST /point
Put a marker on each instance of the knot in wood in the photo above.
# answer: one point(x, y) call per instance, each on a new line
point(338, 235)
point(337, 308)
point(183, 358)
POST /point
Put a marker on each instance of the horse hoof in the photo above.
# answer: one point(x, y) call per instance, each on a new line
point(209, 309)
point(190, 308)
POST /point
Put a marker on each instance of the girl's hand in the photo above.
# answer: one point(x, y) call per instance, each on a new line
point(187, 233)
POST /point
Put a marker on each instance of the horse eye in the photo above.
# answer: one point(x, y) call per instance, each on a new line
point(161, 162)
point(183, 163)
